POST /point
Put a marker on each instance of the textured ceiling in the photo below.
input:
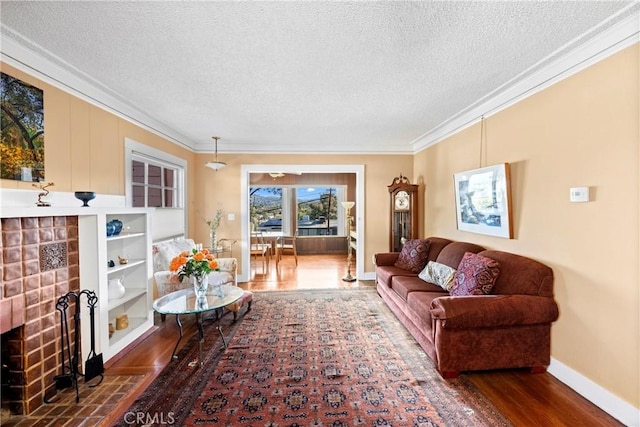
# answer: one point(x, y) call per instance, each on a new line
point(303, 76)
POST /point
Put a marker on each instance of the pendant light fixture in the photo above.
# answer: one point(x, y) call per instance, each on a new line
point(215, 165)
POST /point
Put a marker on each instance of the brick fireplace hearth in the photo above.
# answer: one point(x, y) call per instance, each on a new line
point(39, 262)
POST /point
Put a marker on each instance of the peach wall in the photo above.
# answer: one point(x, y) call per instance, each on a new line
point(582, 131)
point(223, 191)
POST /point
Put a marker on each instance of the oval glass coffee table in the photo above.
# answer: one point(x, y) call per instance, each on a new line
point(185, 301)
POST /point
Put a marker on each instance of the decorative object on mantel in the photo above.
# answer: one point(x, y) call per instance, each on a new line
point(45, 192)
point(196, 264)
point(85, 196)
point(347, 207)
point(215, 165)
point(122, 260)
point(213, 229)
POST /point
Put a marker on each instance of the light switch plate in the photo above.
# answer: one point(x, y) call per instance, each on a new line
point(579, 194)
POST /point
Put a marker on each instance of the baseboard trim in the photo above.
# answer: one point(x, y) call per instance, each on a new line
point(596, 394)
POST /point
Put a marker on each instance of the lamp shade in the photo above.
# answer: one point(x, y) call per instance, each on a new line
point(348, 205)
point(215, 165)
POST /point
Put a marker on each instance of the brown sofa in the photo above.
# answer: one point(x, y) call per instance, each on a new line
point(509, 328)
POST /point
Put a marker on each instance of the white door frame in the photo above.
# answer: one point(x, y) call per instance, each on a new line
point(246, 170)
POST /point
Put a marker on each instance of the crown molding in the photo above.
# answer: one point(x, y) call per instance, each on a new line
point(618, 37)
point(21, 56)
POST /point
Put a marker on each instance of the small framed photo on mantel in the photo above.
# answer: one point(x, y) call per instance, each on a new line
point(483, 201)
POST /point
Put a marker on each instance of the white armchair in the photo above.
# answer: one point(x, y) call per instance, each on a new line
point(167, 281)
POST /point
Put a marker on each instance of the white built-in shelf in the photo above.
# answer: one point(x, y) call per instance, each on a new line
point(130, 264)
point(130, 294)
point(125, 235)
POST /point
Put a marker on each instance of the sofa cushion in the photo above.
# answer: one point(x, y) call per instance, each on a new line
point(164, 252)
point(385, 273)
point(521, 275)
point(452, 254)
point(438, 274)
point(475, 275)
point(413, 256)
point(404, 285)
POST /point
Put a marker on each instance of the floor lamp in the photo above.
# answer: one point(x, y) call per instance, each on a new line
point(347, 207)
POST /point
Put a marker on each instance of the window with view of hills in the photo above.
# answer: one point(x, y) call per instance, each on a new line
point(312, 211)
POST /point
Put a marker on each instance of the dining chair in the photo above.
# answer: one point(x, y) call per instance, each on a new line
point(260, 249)
point(287, 244)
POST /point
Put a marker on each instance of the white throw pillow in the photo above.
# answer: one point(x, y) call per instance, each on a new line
point(438, 274)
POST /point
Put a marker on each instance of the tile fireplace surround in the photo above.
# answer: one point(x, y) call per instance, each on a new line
point(39, 263)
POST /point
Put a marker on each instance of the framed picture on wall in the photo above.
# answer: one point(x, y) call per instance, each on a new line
point(483, 201)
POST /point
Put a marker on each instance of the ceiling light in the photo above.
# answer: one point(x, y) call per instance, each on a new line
point(215, 165)
point(275, 175)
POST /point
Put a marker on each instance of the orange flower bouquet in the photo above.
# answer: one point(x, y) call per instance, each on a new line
point(196, 264)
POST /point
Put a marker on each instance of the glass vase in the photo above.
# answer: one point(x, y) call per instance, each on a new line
point(200, 285)
point(213, 240)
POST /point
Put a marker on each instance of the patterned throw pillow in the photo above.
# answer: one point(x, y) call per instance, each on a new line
point(413, 256)
point(438, 274)
point(475, 275)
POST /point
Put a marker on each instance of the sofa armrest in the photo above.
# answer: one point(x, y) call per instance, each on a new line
point(385, 258)
point(485, 311)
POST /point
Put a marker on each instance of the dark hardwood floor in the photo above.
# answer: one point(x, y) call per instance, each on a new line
point(526, 399)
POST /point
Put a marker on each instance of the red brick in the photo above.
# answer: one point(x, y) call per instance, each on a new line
point(17, 362)
point(61, 289)
point(11, 255)
point(45, 221)
point(16, 392)
point(10, 224)
point(47, 293)
point(48, 278)
point(34, 357)
point(34, 388)
point(72, 246)
point(17, 407)
point(32, 328)
point(60, 233)
point(30, 252)
point(72, 232)
point(12, 272)
point(48, 335)
point(74, 284)
point(11, 239)
point(59, 221)
point(33, 312)
point(32, 343)
point(33, 373)
point(50, 363)
point(47, 306)
point(48, 321)
point(45, 235)
point(17, 311)
point(33, 404)
point(32, 283)
point(30, 237)
point(62, 275)
point(17, 377)
point(72, 220)
point(31, 267)
point(5, 315)
point(29, 222)
point(13, 288)
point(49, 349)
point(32, 298)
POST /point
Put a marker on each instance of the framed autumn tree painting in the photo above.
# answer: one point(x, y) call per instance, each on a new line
point(22, 130)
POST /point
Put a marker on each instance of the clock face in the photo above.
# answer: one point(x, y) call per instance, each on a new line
point(402, 200)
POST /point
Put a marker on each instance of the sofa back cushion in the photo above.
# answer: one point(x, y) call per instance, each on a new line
point(164, 252)
point(452, 253)
point(476, 275)
point(436, 244)
point(520, 275)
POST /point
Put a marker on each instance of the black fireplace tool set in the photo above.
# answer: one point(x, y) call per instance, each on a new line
point(94, 366)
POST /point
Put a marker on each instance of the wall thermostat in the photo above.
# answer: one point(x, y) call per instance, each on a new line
point(579, 194)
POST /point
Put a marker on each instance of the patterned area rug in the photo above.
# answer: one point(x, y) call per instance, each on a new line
point(313, 358)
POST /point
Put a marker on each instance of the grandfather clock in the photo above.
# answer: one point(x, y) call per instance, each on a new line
point(404, 212)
